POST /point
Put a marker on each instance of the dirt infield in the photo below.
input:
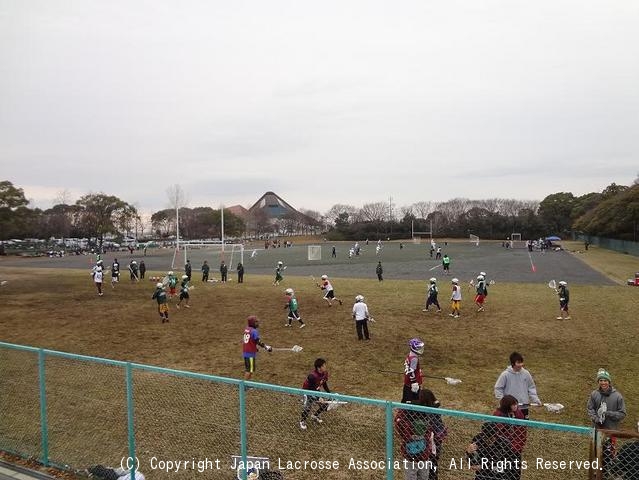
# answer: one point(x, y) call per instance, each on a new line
point(412, 262)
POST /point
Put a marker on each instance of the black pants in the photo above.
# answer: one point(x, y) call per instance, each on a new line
point(309, 401)
point(240, 277)
point(362, 329)
point(103, 472)
point(408, 396)
point(379, 277)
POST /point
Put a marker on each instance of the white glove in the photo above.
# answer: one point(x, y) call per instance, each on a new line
point(414, 387)
point(601, 412)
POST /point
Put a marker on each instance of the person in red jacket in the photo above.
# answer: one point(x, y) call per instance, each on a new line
point(514, 435)
point(317, 379)
point(414, 429)
point(250, 341)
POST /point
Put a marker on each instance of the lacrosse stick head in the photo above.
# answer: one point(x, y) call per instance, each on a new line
point(492, 282)
point(554, 407)
point(552, 284)
point(472, 283)
point(296, 348)
point(333, 404)
point(452, 381)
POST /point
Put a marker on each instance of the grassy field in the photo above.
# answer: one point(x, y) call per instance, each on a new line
point(58, 309)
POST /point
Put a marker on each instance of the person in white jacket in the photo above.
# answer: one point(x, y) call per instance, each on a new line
point(518, 382)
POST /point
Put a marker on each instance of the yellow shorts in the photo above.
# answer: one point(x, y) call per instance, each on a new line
point(455, 304)
point(163, 308)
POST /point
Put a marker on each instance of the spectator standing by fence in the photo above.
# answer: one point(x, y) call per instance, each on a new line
point(518, 382)
point(606, 408)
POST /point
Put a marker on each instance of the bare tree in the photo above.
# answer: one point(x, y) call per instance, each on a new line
point(375, 212)
point(63, 197)
point(177, 200)
point(338, 209)
point(453, 209)
point(423, 209)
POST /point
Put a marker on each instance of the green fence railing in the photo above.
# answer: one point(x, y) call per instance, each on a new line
point(72, 411)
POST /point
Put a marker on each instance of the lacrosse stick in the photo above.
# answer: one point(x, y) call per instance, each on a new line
point(449, 380)
point(552, 284)
point(333, 404)
point(294, 348)
point(284, 267)
point(137, 279)
point(3, 283)
point(550, 407)
point(492, 282)
point(371, 319)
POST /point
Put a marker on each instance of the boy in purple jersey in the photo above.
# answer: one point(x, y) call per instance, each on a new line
point(250, 341)
point(316, 379)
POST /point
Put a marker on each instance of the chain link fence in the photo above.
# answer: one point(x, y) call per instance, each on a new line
point(72, 412)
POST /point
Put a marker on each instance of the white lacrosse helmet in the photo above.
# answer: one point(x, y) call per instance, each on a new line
point(563, 283)
point(483, 274)
point(433, 280)
point(280, 263)
point(184, 277)
point(170, 273)
point(289, 291)
point(359, 298)
point(158, 285)
point(324, 277)
point(455, 280)
point(133, 261)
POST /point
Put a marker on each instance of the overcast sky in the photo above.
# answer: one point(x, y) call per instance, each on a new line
point(325, 102)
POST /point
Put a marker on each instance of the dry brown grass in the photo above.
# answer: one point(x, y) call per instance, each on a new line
point(58, 309)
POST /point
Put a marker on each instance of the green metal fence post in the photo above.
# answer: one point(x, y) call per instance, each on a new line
point(390, 473)
point(130, 417)
point(44, 428)
point(243, 439)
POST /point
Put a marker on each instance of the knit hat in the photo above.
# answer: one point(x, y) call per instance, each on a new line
point(603, 374)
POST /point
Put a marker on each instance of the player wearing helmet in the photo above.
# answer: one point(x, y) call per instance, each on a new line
point(293, 309)
point(172, 281)
point(184, 292)
point(133, 269)
point(115, 273)
point(564, 298)
point(160, 296)
point(329, 292)
point(431, 295)
point(98, 273)
point(480, 293)
point(278, 273)
point(361, 316)
point(250, 341)
point(455, 298)
point(413, 371)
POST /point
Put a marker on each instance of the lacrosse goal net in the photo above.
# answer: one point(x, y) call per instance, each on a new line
point(314, 252)
point(516, 241)
point(474, 240)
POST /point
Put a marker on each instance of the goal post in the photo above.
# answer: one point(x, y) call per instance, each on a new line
point(314, 252)
point(516, 241)
point(229, 251)
point(474, 239)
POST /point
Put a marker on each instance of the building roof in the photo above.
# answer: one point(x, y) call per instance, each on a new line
point(273, 205)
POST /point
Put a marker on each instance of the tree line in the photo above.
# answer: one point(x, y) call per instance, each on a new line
point(613, 213)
